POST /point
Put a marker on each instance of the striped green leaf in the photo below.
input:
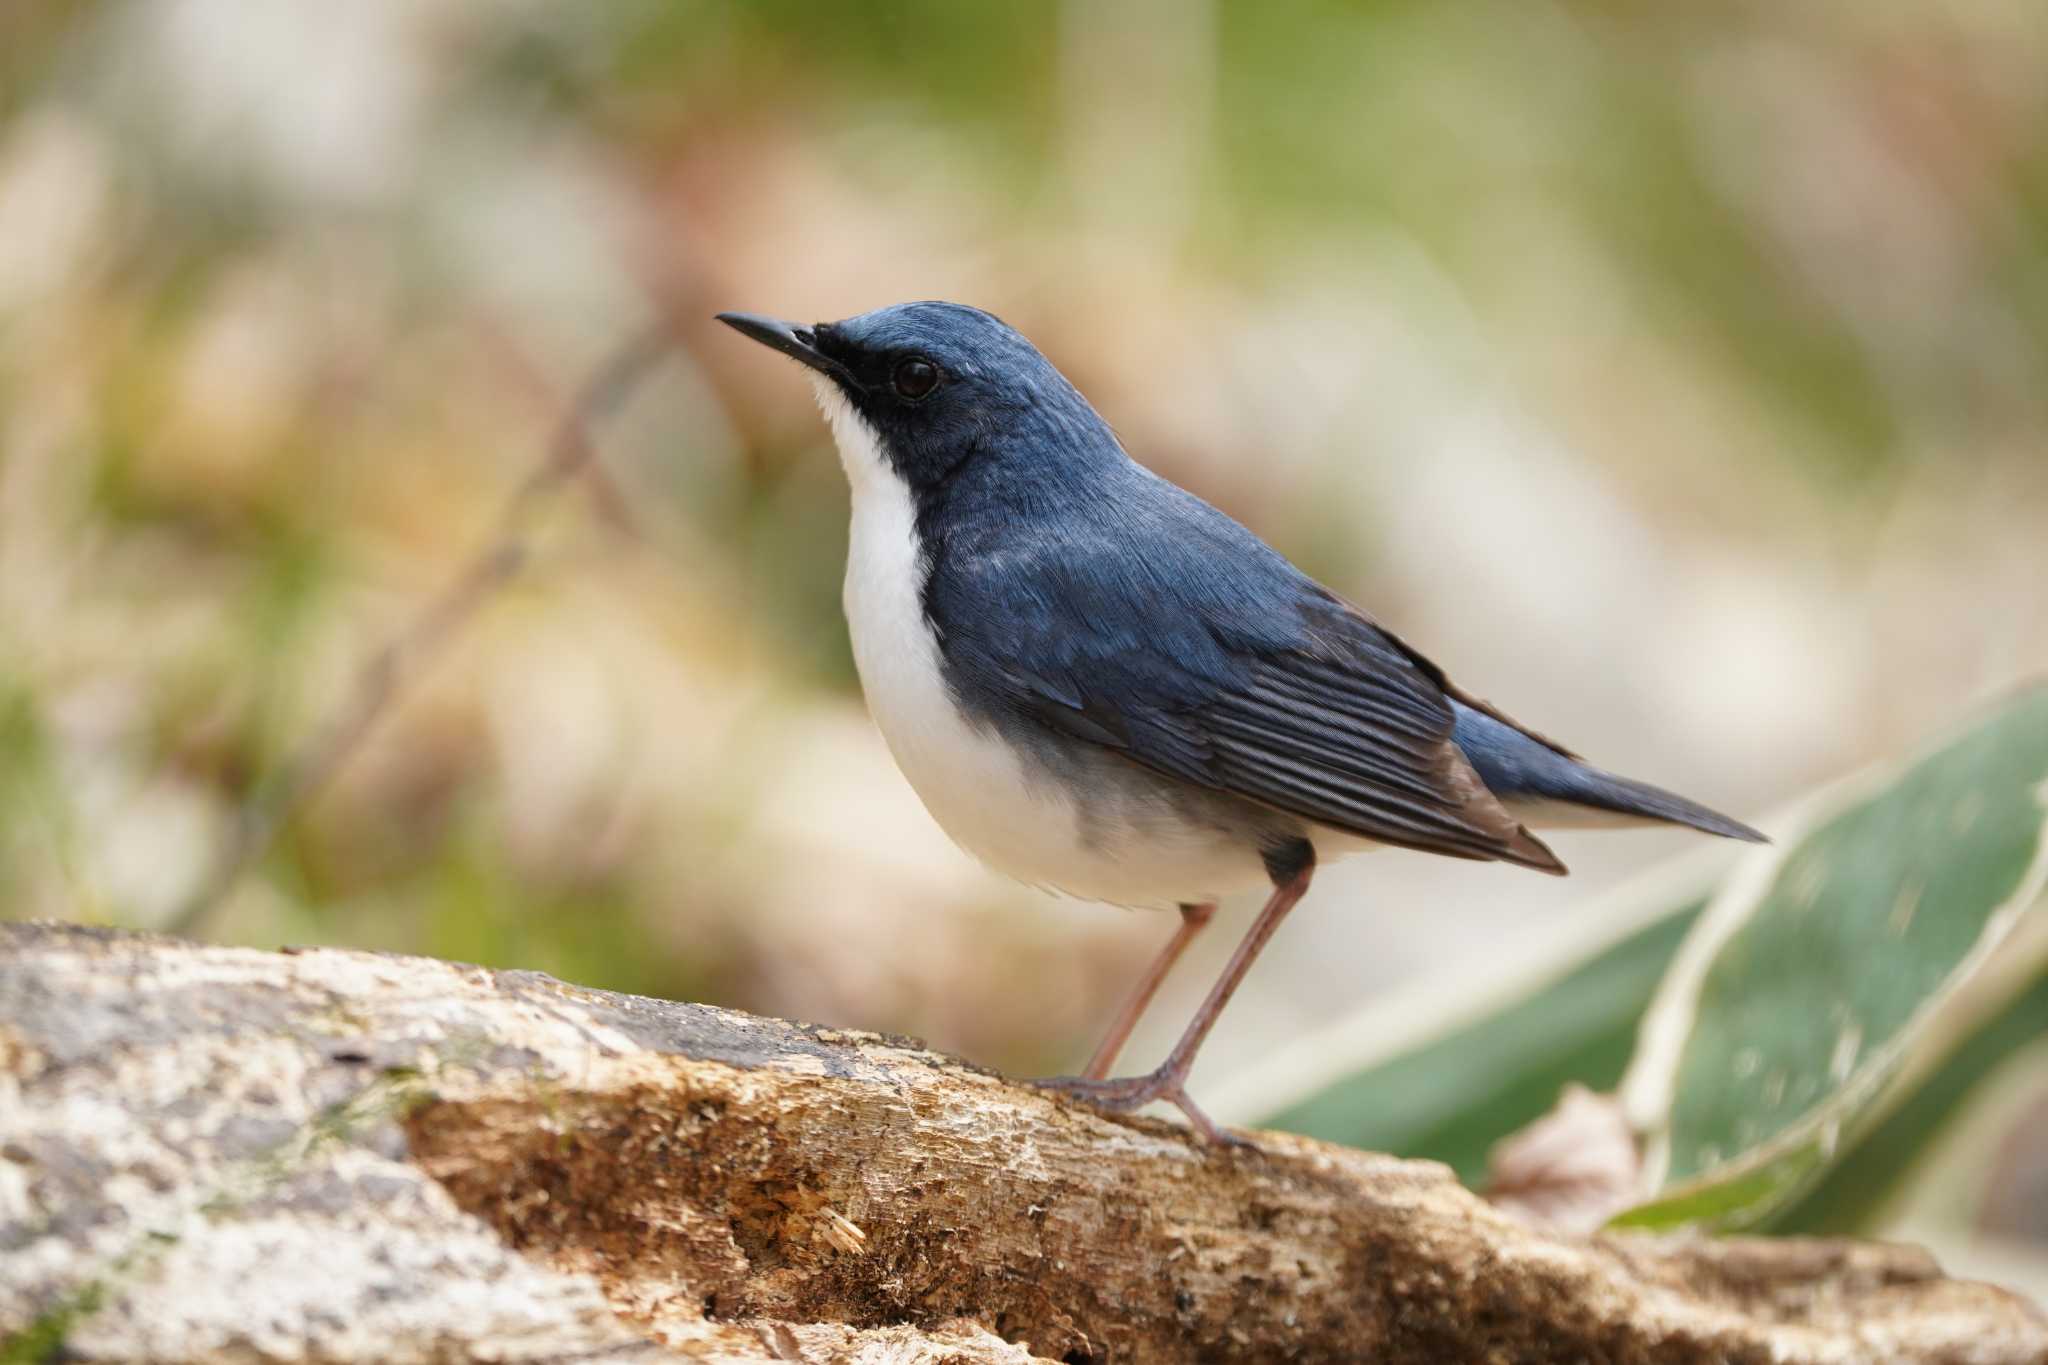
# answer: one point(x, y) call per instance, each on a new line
point(1801, 991)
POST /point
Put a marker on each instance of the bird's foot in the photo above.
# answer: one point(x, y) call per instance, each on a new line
point(1128, 1094)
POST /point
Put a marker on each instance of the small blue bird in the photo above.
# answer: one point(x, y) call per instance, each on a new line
point(1101, 684)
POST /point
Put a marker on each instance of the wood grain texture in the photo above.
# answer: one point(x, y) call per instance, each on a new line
point(227, 1154)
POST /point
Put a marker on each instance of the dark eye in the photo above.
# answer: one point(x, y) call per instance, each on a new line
point(915, 377)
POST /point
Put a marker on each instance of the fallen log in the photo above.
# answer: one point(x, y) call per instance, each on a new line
point(225, 1154)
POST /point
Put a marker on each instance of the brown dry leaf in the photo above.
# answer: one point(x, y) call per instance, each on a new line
point(1575, 1167)
point(2016, 1195)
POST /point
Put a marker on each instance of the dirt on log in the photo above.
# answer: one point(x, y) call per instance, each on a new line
point(223, 1154)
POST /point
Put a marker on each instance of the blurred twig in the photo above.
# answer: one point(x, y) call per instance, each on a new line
point(607, 503)
point(387, 672)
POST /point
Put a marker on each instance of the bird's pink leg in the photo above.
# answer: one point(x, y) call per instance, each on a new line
point(1169, 1081)
point(1192, 920)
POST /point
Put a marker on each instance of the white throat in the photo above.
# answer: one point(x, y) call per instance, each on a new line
point(969, 780)
point(860, 448)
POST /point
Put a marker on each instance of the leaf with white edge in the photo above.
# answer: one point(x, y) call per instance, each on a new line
point(1964, 1063)
point(1801, 989)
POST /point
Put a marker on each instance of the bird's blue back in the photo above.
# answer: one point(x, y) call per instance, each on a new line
point(1113, 574)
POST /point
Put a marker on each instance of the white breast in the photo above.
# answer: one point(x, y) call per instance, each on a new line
point(975, 785)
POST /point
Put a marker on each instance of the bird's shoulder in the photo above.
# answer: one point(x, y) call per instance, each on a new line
point(1119, 570)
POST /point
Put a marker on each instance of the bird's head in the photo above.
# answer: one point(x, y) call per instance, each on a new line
point(921, 388)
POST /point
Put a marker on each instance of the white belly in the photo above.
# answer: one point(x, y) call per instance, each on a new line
point(1010, 814)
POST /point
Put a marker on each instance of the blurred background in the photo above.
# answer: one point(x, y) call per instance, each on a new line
point(1674, 376)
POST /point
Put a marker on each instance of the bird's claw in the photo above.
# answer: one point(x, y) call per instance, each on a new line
point(1128, 1094)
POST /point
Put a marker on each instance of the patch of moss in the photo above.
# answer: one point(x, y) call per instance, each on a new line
point(43, 1339)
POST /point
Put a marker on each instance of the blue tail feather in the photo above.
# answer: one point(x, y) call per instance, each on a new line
point(1521, 769)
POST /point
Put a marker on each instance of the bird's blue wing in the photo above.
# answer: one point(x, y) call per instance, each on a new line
point(1160, 629)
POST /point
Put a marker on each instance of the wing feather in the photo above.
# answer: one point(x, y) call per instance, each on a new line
point(1187, 645)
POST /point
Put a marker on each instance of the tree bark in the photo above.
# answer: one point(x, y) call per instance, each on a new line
point(223, 1154)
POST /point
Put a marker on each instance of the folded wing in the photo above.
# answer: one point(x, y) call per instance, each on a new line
point(1251, 680)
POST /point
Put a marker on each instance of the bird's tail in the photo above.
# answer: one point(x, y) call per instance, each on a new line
point(1552, 787)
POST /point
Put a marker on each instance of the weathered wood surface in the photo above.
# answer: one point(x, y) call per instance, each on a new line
point(221, 1154)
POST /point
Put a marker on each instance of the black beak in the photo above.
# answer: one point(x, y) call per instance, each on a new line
point(799, 343)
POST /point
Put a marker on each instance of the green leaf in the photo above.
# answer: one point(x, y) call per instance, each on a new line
point(1857, 1191)
point(1448, 1069)
point(1743, 1198)
point(1800, 991)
